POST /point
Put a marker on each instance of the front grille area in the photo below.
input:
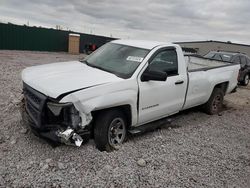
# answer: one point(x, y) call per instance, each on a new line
point(33, 97)
point(32, 111)
point(34, 103)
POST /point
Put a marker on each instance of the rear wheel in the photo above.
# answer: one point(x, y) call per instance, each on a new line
point(246, 80)
point(110, 130)
point(215, 102)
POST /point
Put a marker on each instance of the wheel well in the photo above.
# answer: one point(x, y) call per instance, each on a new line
point(222, 86)
point(126, 109)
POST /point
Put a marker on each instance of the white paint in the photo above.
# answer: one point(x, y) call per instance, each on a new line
point(110, 91)
point(58, 78)
point(168, 96)
point(141, 43)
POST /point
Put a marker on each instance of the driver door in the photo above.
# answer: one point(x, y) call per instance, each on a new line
point(158, 99)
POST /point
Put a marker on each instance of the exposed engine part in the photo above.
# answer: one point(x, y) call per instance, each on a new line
point(76, 120)
point(84, 111)
point(70, 114)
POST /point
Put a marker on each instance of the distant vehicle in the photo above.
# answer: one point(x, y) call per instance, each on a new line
point(121, 88)
point(89, 48)
point(234, 57)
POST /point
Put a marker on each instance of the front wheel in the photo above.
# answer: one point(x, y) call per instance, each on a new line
point(215, 102)
point(110, 130)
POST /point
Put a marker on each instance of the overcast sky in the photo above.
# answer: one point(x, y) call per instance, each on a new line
point(162, 20)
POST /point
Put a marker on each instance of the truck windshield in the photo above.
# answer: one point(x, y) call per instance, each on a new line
point(118, 59)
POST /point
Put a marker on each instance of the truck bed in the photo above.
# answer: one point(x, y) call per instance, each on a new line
point(197, 63)
point(204, 74)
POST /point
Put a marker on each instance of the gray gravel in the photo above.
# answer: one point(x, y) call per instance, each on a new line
point(196, 150)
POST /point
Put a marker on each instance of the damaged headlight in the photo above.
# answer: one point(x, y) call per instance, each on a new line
point(56, 108)
point(69, 120)
point(69, 114)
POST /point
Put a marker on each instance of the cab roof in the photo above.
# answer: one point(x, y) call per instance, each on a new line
point(142, 43)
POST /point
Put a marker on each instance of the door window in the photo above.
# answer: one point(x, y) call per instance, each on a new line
point(165, 61)
point(217, 57)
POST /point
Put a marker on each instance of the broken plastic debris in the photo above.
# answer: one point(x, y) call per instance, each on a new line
point(66, 134)
point(78, 139)
point(69, 133)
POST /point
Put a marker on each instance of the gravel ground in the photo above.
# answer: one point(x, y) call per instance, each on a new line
point(196, 150)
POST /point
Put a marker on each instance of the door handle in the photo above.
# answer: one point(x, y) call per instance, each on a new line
point(179, 82)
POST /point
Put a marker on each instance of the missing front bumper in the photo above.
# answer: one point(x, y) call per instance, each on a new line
point(55, 134)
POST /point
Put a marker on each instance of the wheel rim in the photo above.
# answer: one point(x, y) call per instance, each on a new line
point(117, 132)
point(246, 79)
point(216, 103)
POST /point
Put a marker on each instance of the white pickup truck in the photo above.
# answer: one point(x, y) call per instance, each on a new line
point(120, 89)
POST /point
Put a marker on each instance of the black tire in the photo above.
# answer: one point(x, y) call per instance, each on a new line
point(215, 102)
point(245, 82)
point(104, 129)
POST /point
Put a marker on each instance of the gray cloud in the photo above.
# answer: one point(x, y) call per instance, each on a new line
point(164, 20)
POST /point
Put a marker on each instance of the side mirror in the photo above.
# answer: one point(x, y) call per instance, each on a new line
point(153, 75)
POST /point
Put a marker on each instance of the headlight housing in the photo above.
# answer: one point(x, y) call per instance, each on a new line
point(56, 108)
point(64, 113)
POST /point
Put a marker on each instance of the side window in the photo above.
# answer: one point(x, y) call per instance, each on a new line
point(236, 59)
point(243, 61)
point(217, 57)
point(165, 61)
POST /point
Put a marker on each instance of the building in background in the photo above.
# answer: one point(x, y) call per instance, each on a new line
point(203, 47)
point(22, 37)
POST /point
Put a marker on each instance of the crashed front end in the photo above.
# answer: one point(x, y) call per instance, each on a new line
point(54, 121)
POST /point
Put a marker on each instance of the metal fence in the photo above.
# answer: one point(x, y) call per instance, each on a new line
point(16, 37)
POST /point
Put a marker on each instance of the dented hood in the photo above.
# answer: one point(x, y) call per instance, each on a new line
point(56, 79)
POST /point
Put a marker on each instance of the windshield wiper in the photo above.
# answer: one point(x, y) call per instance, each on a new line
point(86, 62)
point(89, 64)
point(100, 68)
